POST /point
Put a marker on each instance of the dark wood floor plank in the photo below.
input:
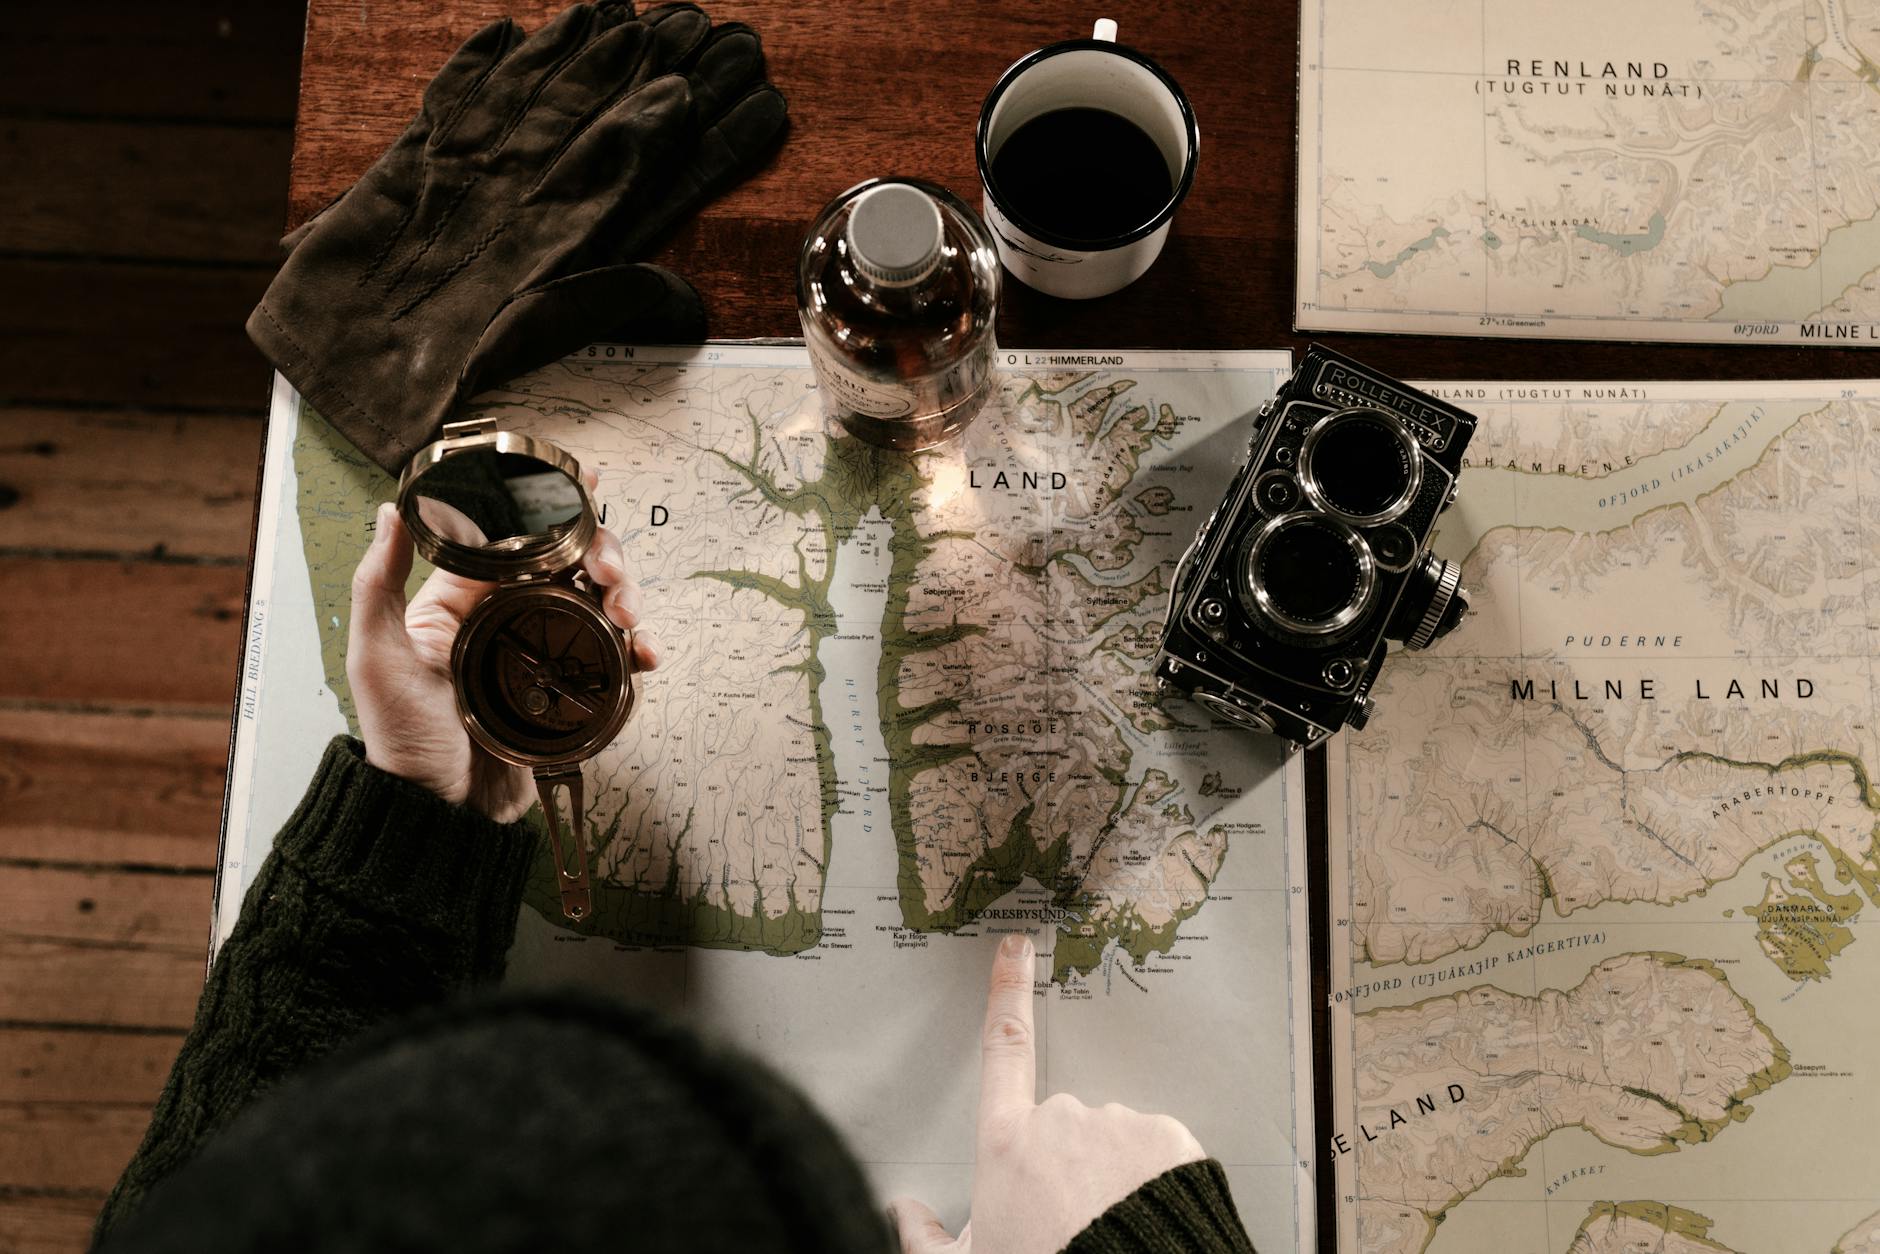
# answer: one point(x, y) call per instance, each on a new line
point(99, 985)
point(131, 335)
point(145, 155)
point(146, 909)
point(67, 1149)
point(110, 482)
point(86, 1068)
point(137, 190)
point(224, 60)
point(111, 789)
point(142, 634)
point(47, 1225)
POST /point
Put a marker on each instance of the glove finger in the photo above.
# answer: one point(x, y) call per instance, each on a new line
point(614, 12)
point(679, 31)
point(660, 12)
point(467, 68)
point(634, 304)
point(630, 146)
point(583, 85)
point(488, 113)
point(730, 65)
point(740, 139)
point(725, 153)
point(395, 179)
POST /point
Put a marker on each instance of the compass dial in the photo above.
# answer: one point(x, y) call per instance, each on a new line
point(544, 675)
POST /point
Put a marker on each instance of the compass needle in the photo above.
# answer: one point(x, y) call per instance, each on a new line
point(570, 698)
point(520, 647)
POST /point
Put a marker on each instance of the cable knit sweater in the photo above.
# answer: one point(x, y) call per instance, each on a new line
point(380, 902)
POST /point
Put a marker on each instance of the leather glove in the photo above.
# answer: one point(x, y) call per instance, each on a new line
point(492, 236)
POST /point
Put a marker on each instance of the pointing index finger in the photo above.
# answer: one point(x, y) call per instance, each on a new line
point(1008, 1081)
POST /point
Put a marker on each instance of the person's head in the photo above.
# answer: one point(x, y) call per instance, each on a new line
point(522, 1123)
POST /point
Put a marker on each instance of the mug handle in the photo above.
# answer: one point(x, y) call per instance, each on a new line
point(1105, 30)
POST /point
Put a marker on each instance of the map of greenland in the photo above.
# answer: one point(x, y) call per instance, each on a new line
point(1683, 170)
point(1649, 1052)
point(991, 608)
point(1655, 1228)
point(1665, 692)
point(1668, 668)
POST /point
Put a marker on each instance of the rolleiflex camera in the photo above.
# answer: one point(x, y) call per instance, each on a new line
point(1319, 554)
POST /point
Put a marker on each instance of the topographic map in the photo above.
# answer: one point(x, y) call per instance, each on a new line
point(1612, 169)
point(903, 707)
point(1605, 872)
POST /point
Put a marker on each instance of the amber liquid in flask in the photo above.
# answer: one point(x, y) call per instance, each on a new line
point(897, 287)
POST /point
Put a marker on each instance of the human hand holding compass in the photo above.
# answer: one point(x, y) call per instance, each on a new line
point(398, 663)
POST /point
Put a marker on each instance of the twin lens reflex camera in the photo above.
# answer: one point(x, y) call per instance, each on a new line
point(1319, 554)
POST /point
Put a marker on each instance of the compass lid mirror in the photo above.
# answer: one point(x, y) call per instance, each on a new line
point(491, 504)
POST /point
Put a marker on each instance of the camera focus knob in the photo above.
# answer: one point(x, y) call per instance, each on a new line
point(1360, 714)
point(1447, 605)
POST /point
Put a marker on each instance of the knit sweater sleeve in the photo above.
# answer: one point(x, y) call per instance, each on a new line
point(1185, 1210)
point(378, 897)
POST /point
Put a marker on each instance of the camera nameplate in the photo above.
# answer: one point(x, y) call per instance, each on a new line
point(1346, 384)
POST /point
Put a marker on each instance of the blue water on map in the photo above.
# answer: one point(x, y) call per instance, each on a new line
point(1626, 245)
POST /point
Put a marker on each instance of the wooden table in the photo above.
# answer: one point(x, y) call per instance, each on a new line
point(895, 88)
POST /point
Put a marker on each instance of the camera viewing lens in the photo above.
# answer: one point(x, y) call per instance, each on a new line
point(1361, 464)
point(1309, 573)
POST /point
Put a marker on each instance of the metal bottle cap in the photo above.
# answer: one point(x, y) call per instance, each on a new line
point(894, 234)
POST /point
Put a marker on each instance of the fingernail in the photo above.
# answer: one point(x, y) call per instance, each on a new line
point(630, 596)
point(382, 524)
point(648, 646)
point(1017, 945)
point(611, 567)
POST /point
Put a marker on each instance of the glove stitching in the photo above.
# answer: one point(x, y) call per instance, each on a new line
point(437, 132)
point(515, 120)
point(452, 272)
point(302, 355)
point(398, 232)
point(444, 215)
point(424, 246)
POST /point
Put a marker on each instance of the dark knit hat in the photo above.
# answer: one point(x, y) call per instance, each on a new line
point(522, 1122)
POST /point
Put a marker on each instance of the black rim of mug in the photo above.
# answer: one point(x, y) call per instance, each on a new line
point(1054, 238)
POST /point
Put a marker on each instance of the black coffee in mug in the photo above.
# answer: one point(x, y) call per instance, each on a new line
point(1081, 173)
point(1085, 149)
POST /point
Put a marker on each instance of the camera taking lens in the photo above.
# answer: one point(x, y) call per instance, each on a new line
point(1308, 574)
point(1320, 554)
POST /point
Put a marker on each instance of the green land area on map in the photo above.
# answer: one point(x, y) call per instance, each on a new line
point(1009, 616)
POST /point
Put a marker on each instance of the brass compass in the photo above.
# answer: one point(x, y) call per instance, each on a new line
point(543, 677)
